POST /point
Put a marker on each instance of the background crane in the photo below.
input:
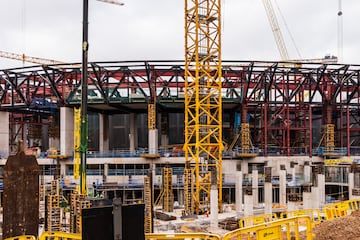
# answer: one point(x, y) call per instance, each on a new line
point(279, 39)
point(30, 59)
point(280, 43)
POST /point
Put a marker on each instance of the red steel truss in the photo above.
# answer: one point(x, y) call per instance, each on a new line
point(284, 103)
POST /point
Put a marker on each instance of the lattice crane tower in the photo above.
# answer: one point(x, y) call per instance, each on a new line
point(203, 103)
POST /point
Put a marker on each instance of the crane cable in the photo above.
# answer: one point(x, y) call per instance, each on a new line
point(340, 33)
point(23, 30)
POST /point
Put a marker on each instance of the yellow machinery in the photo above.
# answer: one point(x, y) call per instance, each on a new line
point(77, 123)
point(203, 103)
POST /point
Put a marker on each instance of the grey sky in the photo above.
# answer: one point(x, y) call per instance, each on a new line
point(150, 30)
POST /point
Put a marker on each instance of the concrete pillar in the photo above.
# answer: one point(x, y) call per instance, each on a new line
point(315, 197)
point(321, 189)
point(268, 197)
point(164, 140)
point(103, 133)
point(153, 141)
point(307, 200)
point(133, 133)
point(214, 206)
point(282, 187)
point(164, 129)
point(54, 143)
point(105, 173)
point(307, 173)
point(248, 204)
point(238, 192)
point(181, 197)
point(255, 186)
point(244, 167)
point(66, 131)
point(351, 185)
point(291, 206)
point(4, 134)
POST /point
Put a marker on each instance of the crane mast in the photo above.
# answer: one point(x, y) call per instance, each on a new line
point(203, 103)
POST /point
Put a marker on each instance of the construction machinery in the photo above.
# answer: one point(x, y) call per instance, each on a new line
point(203, 104)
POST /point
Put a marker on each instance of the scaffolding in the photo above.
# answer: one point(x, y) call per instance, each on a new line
point(78, 202)
point(166, 195)
point(329, 138)
point(148, 225)
point(53, 208)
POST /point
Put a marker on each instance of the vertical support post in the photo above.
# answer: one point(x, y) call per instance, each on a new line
point(268, 191)
point(310, 131)
point(84, 96)
point(348, 131)
point(238, 192)
point(255, 186)
point(282, 186)
point(265, 130)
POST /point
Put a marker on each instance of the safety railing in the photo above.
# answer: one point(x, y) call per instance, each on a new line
point(182, 236)
point(288, 228)
point(24, 237)
point(59, 236)
point(314, 214)
point(256, 220)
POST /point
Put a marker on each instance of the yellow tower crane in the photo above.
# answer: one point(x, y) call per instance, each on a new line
point(203, 103)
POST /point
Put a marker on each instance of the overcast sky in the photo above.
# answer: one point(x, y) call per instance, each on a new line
point(154, 30)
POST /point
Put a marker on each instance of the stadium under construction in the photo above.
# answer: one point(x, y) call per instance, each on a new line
point(200, 136)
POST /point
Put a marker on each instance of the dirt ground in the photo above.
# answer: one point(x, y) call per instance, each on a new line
point(345, 228)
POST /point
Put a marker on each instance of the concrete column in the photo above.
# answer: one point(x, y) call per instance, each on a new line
point(244, 167)
point(66, 131)
point(153, 141)
point(103, 133)
point(321, 189)
point(268, 197)
point(181, 197)
point(238, 192)
point(164, 129)
point(164, 140)
point(54, 143)
point(4, 134)
point(315, 197)
point(291, 206)
point(351, 185)
point(105, 173)
point(255, 186)
point(307, 200)
point(248, 204)
point(282, 187)
point(214, 206)
point(133, 133)
point(307, 173)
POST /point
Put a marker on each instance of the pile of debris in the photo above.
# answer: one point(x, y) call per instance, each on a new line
point(347, 227)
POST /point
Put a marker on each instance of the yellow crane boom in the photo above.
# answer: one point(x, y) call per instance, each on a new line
point(25, 58)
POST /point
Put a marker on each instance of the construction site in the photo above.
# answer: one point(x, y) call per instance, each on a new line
point(200, 148)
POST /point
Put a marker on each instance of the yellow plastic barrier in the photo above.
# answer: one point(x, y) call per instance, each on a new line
point(24, 237)
point(59, 236)
point(256, 219)
point(274, 230)
point(336, 210)
point(182, 236)
point(353, 204)
point(314, 214)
